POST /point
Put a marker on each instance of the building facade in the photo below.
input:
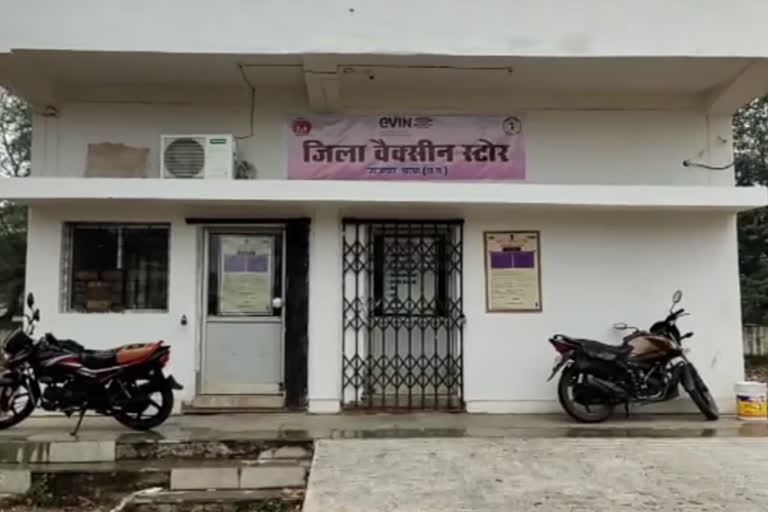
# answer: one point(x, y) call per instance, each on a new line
point(423, 193)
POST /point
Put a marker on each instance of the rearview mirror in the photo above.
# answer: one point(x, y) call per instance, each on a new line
point(620, 326)
point(677, 296)
point(30, 300)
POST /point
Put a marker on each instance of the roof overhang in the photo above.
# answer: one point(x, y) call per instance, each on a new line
point(541, 28)
point(42, 191)
point(334, 82)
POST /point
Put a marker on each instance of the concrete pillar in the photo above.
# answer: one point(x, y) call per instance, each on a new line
point(325, 296)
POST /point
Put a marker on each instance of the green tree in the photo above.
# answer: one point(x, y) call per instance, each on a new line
point(15, 148)
point(15, 135)
point(750, 129)
point(13, 243)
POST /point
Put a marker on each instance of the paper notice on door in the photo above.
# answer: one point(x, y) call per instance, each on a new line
point(246, 275)
point(513, 277)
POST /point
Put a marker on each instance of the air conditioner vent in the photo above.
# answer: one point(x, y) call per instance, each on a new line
point(185, 158)
point(198, 156)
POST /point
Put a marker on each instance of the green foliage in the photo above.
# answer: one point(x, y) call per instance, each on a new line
point(15, 147)
point(15, 135)
point(750, 128)
point(13, 243)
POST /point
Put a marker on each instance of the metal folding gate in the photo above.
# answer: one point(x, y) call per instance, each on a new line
point(402, 314)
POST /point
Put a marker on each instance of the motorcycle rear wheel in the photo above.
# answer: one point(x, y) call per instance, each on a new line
point(585, 414)
point(154, 414)
point(16, 415)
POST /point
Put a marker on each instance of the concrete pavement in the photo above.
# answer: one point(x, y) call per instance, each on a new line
point(574, 475)
point(301, 426)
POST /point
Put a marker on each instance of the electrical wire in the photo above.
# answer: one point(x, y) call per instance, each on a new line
point(689, 163)
point(253, 101)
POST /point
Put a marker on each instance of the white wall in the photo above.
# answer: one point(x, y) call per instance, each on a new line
point(62, 143)
point(109, 330)
point(450, 27)
point(598, 269)
point(563, 147)
point(325, 298)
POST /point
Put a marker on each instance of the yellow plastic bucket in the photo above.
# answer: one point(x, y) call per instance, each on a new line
point(751, 401)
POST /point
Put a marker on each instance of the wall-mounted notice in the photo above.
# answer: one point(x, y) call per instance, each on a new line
point(512, 271)
point(403, 147)
point(246, 275)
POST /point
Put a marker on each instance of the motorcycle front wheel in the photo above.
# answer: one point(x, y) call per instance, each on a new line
point(16, 404)
point(702, 397)
point(592, 413)
point(149, 405)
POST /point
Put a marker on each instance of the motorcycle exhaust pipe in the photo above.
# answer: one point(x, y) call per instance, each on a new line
point(606, 387)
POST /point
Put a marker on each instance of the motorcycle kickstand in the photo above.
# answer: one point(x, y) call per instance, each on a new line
point(79, 422)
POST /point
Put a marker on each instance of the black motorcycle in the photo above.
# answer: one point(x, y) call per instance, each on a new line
point(647, 367)
point(61, 375)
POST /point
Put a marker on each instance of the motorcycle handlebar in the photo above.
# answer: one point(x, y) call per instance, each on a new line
point(674, 315)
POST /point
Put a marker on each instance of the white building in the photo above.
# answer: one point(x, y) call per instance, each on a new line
point(382, 283)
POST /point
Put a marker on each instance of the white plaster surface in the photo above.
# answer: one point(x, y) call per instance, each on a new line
point(452, 27)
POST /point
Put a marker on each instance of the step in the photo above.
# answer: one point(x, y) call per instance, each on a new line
point(92, 479)
point(102, 478)
point(65, 450)
point(214, 501)
point(233, 403)
point(264, 475)
point(144, 447)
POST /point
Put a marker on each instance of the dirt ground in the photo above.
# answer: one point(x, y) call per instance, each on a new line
point(89, 506)
point(46, 502)
point(74, 505)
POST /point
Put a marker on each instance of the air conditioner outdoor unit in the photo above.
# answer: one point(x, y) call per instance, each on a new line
point(197, 156)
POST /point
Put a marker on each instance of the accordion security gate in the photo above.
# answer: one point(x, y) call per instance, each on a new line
point(402, 314)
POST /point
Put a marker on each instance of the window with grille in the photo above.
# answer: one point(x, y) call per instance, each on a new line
point(410, 275)
point(116, 267)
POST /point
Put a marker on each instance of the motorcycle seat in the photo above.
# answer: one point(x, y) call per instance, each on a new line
point(98, 359)
point(136, 353)
point(600, 350)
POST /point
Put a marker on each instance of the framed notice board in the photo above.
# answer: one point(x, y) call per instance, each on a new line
point(512, 271)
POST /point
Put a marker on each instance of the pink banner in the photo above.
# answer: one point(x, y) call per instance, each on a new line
point(395, 147)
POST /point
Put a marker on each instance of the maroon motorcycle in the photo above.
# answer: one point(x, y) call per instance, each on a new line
point(127, 382)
